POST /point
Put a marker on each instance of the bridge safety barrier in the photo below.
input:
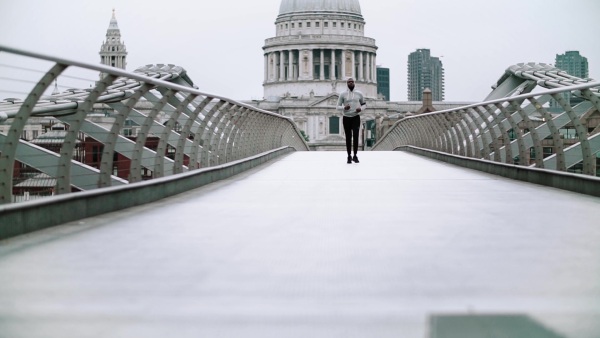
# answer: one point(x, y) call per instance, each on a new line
point(521, 129)
point(68, 126)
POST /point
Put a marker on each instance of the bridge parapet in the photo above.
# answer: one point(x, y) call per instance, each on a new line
point(519, 128)
point(125, 128)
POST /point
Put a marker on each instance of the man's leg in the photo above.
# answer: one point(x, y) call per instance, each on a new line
point(355, 134)
point(347, 123)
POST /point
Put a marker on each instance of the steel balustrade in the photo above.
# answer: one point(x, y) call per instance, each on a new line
point(516, 128)
point(179, 128)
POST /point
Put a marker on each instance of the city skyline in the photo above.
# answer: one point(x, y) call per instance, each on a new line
point(222, 50)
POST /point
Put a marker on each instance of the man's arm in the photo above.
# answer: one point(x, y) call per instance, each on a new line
point(340, 104)
point(363, 104)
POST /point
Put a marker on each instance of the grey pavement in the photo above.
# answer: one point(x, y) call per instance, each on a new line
point(309, 246)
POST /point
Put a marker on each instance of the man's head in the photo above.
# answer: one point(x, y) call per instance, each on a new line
point(350, 83)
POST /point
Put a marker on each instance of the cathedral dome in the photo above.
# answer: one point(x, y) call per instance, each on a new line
point(318, 44)
point(289, 7)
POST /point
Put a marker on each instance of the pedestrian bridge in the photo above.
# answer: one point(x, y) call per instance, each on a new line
point(306, 245)
point(226, 226)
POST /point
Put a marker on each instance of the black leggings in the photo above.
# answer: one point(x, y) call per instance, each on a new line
point(351, 128)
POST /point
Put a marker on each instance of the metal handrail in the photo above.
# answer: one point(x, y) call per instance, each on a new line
point(180, 129)
point(514, 130)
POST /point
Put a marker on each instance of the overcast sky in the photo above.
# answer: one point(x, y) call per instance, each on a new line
point(220, 42)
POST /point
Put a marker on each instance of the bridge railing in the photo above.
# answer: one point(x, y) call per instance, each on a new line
point(75, 126)
point(518, 130)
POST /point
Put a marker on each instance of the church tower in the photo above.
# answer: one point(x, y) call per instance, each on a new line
point(113, 52)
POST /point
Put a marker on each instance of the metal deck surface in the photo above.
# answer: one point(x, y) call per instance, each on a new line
point(309, 246)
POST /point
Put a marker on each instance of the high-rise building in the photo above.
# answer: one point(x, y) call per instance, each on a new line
point(574, 64)
point(383, 83)
point(425, 71)
point(113, 52)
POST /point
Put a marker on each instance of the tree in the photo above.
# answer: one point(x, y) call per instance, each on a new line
point(306, 138)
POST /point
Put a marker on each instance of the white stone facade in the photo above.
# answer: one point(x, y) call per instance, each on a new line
point(318, 45)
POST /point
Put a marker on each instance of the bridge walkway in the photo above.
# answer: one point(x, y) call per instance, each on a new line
point(309, 246)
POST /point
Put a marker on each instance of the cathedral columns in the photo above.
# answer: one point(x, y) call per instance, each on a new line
point(374, 69)
point(353, 73)
point(286, 65)
point(361, 66)
point(322, 68)
point(281, 66)
point(271, 66)
point(275, 67)
point(369, 73)
point(332, 67)
point(266, 67)
point(343, 65)
point(291, 73)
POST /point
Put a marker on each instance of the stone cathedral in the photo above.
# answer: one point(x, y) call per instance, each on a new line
point(318, 44)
